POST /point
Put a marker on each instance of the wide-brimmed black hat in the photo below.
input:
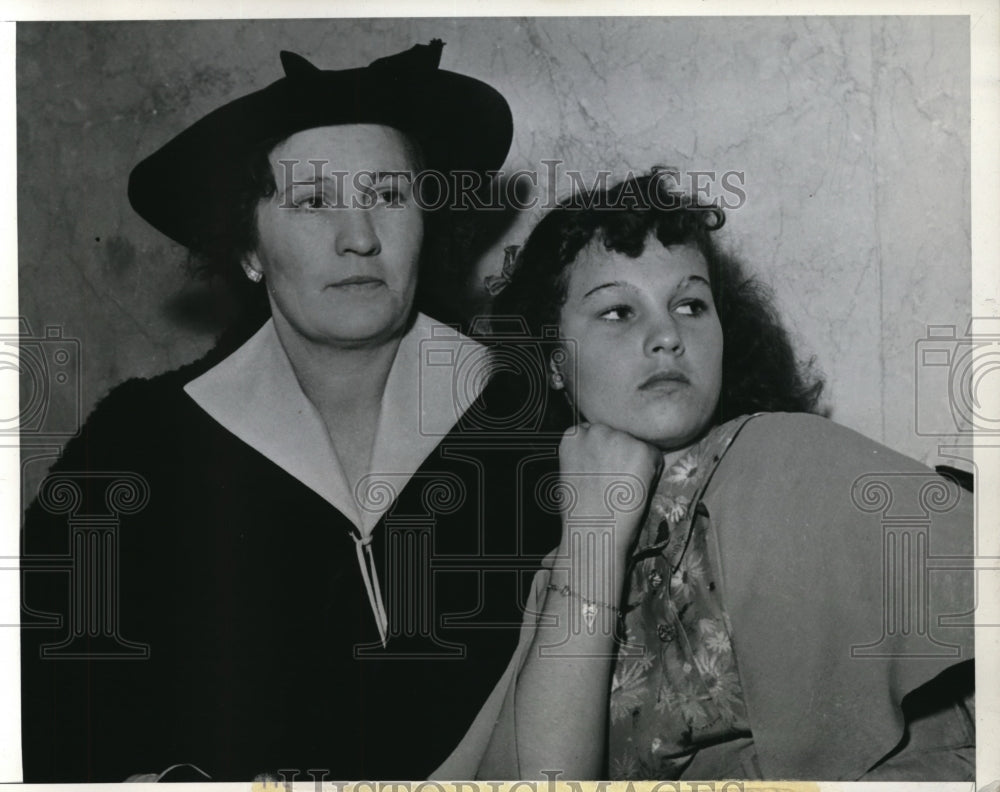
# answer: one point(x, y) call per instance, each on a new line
point(186, 188)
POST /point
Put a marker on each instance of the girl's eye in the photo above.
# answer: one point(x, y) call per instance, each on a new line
point(692, 308)
point(617, 313)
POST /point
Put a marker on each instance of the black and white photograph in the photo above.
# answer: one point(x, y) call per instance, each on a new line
point(397, 396)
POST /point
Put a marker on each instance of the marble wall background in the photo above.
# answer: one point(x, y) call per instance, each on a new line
point(852, 133)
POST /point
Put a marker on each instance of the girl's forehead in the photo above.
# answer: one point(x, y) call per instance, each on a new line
point(656, 265)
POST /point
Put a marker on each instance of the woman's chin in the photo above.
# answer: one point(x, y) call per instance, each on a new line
point(355, 326)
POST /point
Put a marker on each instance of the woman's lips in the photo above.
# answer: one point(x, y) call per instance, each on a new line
point(357, 281)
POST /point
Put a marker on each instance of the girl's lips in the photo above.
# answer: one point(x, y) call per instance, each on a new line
point(663, 378)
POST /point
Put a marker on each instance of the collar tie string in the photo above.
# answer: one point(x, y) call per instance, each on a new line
point(366, 562)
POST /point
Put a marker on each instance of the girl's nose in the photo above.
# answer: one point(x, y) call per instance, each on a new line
point(663, 336)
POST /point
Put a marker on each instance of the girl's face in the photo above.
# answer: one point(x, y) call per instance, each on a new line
point(642, 342)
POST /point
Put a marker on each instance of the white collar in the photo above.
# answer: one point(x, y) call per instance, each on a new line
point(255, 394)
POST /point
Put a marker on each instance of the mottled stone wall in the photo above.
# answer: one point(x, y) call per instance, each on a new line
point(852, 133)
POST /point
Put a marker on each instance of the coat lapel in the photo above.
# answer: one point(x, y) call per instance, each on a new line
point(255, 394)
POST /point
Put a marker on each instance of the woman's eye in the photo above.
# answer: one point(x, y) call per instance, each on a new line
point(391, 195)
point(692, 308)
point(314, 201)
point(617, 313)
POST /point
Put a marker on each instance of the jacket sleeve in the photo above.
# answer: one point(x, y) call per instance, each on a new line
point(499, 757)
point(847, 575)
point(939, 741)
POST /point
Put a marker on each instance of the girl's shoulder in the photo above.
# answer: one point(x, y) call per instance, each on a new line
point(805, 444)
point(829, 481)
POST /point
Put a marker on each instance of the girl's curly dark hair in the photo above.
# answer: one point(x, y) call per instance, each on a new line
point(760, 371)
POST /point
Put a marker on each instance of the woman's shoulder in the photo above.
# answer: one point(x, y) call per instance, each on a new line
point(140, 391)
point(143, 427)
point(137, 397)
point(141, 412)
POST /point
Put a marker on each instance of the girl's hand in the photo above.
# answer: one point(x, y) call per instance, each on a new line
point(609, 474)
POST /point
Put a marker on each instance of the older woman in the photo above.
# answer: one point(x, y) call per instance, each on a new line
point(778, 620)
point(306, 574)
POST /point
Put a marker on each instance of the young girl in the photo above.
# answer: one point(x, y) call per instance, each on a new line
point(774, 621)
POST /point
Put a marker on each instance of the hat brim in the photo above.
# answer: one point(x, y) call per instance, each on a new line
point(187, 187)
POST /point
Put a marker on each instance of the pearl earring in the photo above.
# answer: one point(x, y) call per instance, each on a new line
point(251, 273)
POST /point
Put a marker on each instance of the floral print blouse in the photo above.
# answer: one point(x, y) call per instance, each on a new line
point(676, 686)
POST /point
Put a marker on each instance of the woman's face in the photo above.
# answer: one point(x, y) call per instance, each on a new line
point(339, 241)
point(643, 342)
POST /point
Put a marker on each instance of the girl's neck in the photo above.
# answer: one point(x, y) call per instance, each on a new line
point(673, 456)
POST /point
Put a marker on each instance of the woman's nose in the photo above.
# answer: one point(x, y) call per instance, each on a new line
point(663, 335)
point(356, 232)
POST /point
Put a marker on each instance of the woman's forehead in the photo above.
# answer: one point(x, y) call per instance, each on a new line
point(349, 147)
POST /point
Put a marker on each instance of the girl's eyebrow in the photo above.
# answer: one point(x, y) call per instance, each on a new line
point(608, 285)
point(688, 281)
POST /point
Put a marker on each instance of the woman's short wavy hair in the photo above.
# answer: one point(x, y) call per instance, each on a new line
point(219, 257)
point(760, 370)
